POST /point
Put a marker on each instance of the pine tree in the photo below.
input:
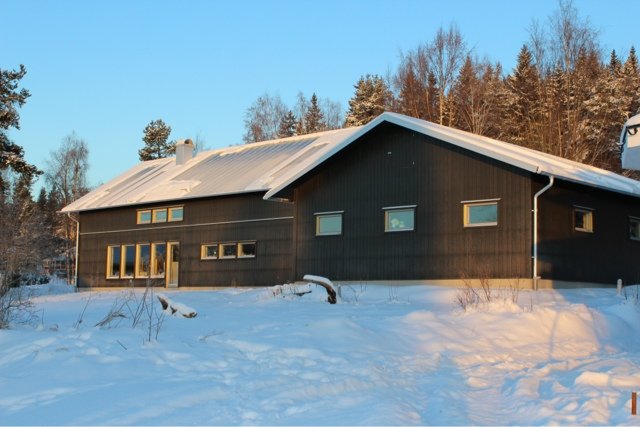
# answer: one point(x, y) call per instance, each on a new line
point(288, 125)
point(314, 119)
point(11, 154)
point(156, 145)
point(372, 97)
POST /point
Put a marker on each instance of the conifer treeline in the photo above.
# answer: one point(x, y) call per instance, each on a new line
point(564, 96)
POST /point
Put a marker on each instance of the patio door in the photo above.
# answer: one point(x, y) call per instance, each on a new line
point(173, 264)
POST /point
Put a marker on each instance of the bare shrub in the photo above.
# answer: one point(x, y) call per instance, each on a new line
point(470, 296)
point(15, 306)
point(141, 311)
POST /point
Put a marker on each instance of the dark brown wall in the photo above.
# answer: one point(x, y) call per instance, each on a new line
point(273, 234)
point(393, 166)
point(603, 256)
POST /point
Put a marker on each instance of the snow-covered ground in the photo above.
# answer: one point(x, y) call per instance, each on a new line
point(383, 355)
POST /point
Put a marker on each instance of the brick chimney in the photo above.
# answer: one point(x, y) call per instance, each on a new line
point(184, 151)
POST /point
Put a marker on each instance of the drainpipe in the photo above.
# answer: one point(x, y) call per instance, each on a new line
point(535, 231)
point(75, 265)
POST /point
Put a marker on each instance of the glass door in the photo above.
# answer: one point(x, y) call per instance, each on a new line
point(173, 264)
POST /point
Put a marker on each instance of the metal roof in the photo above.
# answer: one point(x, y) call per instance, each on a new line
point(231, 170)
point(271, 166)
point(521, 157)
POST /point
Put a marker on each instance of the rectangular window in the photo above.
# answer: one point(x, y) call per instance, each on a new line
point(176, 214)
point(399, 219)
point(128, 260)
point(144, 217)
point(113, 262)
point(246, 249)
point(583, 219)
point(634, 228)
point(158, 259)
point(328, 224)
point(143, 256)
point(480, 214)
point(209, 251)
point(160, 215)
point(228, 250)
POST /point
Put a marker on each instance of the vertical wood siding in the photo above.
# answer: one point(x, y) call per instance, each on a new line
point(603, 256)
point(272, 264)
point(393, 166)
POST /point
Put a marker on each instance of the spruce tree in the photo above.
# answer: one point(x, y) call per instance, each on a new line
point(524, 103)
point(372, 97)
point(288, 125)
point(314, 119)
point(156, 144)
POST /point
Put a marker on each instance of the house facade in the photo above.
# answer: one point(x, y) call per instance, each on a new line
point(399, 199)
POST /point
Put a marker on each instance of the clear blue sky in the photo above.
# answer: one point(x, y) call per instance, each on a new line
point(105, 69)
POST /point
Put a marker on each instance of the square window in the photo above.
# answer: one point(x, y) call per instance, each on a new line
point(247, 250)
point(209, 251)
point(399, 219)
point(159, 215)
point(113, 262)
point(228, 250)
point(583, 220)
point(144, 217)
point(634, 228)
point(480, 214)
point(176, 214)
point(328, 224)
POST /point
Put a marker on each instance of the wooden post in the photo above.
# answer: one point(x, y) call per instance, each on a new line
point(634, 400)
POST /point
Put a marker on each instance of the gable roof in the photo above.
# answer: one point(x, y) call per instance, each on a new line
point(232, 170)
point(521, 157)
point(272, 166)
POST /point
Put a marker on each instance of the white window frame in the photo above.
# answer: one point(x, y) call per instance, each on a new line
point(110, 249)
point(221, 254)
point(248, 242)
point(174, 209)
point(141, 212)
point(467, 204)
point(391, 209)
point(334, 214)
point(203, 250)
point(588, 212)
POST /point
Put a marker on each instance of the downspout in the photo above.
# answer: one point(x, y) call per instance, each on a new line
point(75, 264)
point(535, 231)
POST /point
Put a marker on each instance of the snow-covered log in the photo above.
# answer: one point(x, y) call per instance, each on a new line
point(325, 283)
point(172, 307)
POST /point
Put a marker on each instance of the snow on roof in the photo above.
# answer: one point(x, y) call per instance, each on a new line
point(521, 157)
point(231, 170)
point(271, 166)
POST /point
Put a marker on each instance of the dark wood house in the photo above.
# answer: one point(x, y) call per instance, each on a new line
point(399, 199)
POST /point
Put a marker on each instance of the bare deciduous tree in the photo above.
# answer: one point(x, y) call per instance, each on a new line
point(263, 118)
point(66, 175)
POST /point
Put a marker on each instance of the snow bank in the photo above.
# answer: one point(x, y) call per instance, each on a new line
point(404, 355)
